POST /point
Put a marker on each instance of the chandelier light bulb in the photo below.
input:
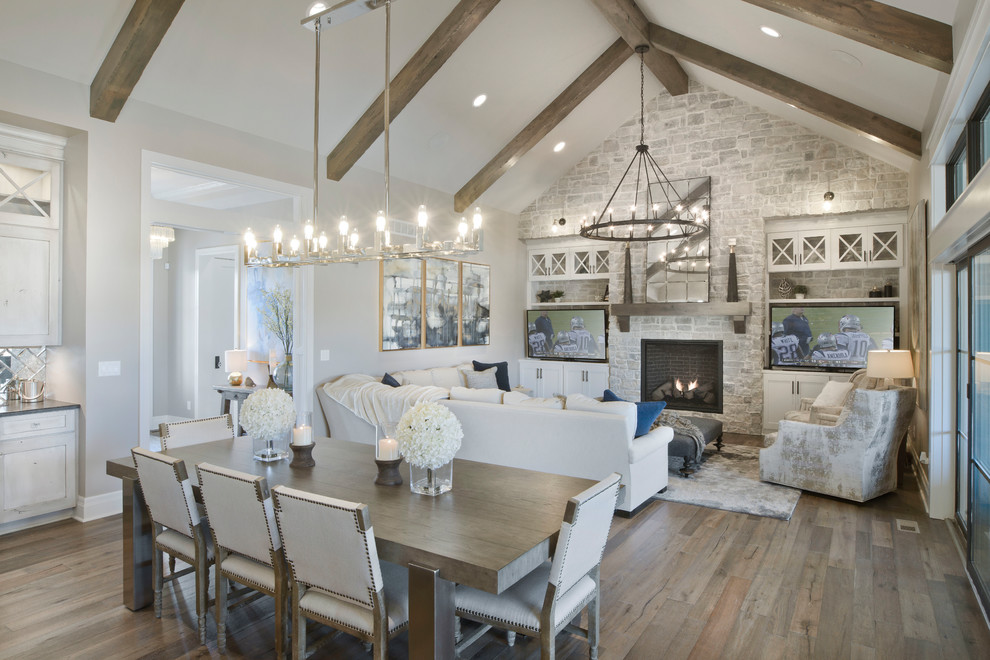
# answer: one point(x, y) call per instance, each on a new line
point(308, 230)
point(462, 228)
point(249, 239)
point(342, 227)
point(323, 240)
point(380, 221)
point(354, 239)
point(277, 234)
point(476, 218)
point(422, 218)
point(294, 244)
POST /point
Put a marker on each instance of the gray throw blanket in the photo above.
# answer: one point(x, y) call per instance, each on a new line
point(685, 427)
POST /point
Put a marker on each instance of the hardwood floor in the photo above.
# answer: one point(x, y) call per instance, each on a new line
point(836, 581)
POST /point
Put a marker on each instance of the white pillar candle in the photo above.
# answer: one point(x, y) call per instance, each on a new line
point(302, 435)
point(388, 449)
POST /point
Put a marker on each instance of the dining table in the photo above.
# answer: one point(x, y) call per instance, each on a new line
point(491, 529)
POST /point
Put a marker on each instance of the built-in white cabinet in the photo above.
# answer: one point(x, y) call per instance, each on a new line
point(836, 248)
point(577, 266)
point(783, 391)
point(37, 464)
point(546, 378)
point(562, 263)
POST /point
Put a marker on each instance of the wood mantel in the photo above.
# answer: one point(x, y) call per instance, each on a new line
point(737, 310)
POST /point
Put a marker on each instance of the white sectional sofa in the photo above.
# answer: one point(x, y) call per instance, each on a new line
point(570, 442)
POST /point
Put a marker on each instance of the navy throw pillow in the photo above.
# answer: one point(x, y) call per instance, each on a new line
point(501, 373)
point(646, 411)
point(387, 379)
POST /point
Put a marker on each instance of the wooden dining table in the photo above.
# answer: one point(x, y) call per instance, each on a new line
point(496, 525)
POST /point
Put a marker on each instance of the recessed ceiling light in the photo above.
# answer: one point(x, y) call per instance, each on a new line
point(559, 147)
point(846, 58)
point(479, 100)
point(316, 8)
point(769, 31)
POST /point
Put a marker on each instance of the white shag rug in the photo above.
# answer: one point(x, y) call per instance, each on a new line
point(730, 480)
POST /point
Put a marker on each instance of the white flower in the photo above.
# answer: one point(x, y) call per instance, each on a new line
point(267, 414)
point(429, 435)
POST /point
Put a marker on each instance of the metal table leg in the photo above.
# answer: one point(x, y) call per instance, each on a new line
point(431, 615)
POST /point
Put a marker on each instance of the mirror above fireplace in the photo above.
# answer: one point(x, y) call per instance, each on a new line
point(677, 261)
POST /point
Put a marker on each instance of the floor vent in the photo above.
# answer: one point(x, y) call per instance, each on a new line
point(907, 526)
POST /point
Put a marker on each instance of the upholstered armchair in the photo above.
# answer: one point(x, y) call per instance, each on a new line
point(856, 459)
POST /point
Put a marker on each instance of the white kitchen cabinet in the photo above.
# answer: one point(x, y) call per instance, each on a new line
point(548, 264)
point(799, 250)
point(783, 391)
point(870, 247)
point(30, 286)
point(547, 378)
point(586, 263)
point(37, 464)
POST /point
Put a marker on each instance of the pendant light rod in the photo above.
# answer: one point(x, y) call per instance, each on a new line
point(316, 134)
point(388, 84)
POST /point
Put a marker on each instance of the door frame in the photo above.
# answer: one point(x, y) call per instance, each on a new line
point(223, 250)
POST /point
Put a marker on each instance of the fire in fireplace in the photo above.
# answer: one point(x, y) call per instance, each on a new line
point(687, 374)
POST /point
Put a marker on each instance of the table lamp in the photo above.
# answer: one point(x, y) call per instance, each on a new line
point(889, 365)
point(236, 362)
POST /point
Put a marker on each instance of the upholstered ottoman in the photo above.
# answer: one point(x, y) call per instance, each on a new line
point(684, 446)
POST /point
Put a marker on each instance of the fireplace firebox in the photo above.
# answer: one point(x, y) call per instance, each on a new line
point(687, 374)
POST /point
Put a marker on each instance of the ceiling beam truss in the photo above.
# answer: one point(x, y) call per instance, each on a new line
point(543, 123)
point(631, 23)
point(418, 71)
point(136, 42)
point(916, 38)
point(805, 97)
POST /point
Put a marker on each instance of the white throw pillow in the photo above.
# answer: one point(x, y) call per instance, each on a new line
point(833, 395)
point(479, 380)
point(551, 402)
point(512, 398)
point(421, 377)
point(486, 395)
point(625, 409)
point(446, 377)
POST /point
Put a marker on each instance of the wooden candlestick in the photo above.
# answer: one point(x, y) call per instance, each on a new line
point(388, 472)
point(302, 456)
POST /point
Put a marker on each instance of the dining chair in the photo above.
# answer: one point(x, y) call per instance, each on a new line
point(177, 528)
point(335, 576)
point(546, 600)
point(241, 516)
point(196, 431)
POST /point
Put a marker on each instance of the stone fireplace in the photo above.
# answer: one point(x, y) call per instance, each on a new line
point(686, 373)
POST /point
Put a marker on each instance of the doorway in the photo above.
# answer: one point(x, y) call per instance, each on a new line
point(215, 325)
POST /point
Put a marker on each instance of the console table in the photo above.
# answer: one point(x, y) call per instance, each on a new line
point(237, 394)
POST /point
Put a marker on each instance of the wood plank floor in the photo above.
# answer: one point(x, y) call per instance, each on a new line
point(679, 581)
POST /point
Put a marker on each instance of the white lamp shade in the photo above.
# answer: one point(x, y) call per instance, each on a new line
point(235, 360)
point(889, 364)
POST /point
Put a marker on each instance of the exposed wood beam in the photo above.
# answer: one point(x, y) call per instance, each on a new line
point(432, 55)
point(869, 124)
point(146, 24)
point(631, 23)
point(917, 38)
point(543, 123)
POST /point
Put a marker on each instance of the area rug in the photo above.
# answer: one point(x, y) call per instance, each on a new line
point(730, 480)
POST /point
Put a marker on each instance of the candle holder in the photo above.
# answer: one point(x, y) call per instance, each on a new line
point(388, 472)
point(302, 456)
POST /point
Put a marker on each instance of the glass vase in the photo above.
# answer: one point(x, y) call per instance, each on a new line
point(431, 481)
point(283, 374)
point(267, 450)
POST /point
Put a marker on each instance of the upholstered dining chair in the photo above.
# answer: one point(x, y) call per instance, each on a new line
point(248, 548)
point(544, 602)
point(335, 576)
point(176, 526)
point(196, 431)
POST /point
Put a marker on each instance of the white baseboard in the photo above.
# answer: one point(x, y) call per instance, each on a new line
point(98, 506)
point(922, 476)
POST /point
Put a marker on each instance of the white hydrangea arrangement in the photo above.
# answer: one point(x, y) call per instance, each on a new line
point(268, 414)
point(428, 435)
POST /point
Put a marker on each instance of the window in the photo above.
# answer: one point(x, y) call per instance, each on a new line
point(956, 173)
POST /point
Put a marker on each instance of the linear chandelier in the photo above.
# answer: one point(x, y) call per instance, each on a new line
point(315, 247)
point(658, 212)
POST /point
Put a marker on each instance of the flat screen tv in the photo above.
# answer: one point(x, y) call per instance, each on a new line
point(829, 336)
point(567, 334)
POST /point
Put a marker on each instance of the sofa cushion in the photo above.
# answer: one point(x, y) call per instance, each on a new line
point(389, 380)
point(501, 372)
point(511, 397)
point(646, 411)
point(482, 395)
point(552, 402)
point(447, 377)
point(422, 377)
point(621, 408)
point(834, 394)
point(481, 379)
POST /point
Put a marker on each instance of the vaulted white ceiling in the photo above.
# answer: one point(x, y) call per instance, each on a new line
point(249, 65)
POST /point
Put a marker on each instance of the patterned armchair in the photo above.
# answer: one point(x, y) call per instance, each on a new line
point(856, 459)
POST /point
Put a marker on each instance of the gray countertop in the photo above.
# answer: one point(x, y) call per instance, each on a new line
point(24, 407)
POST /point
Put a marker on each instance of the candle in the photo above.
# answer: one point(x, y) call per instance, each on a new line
point(302, 435)
point(388, 449)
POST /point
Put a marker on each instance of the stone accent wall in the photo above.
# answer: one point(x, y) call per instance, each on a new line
point(761, 166)
point(838, 284)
